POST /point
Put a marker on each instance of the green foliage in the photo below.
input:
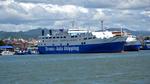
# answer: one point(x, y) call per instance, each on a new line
point(1, 43)
point(147, 38)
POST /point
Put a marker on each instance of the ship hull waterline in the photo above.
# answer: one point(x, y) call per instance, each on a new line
point(132, 47)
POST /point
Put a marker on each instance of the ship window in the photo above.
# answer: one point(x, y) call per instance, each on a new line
point(61, 37)
point(85, 38)
point(90, 38)
point(43, 40)
point(57, 37)
point(94, 37)
point(72, 36)
point(83, 43)
point(64, 37)
point(53, 37)
point(42, 37)
point(67, 44)
point(50, 37)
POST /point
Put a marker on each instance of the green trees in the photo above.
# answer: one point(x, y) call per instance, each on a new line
point(147, 38)
point(1, 43)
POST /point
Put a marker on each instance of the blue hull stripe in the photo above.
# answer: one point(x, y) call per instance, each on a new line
point(132, 47)
point(90, 48)
point(145, 47)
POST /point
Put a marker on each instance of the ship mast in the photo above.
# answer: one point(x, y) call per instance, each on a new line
point(121, 31)
point(73, 24)
point(102, 22)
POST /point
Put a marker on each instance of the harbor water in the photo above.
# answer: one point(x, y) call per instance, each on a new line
point(98, 68)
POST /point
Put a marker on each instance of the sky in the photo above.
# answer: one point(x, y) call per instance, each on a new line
point(23, 15)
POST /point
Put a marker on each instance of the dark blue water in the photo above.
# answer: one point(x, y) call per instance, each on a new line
point(111, 68)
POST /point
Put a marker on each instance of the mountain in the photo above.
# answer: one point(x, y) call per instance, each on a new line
point(137, 33)
point(26, 35)
point(37, 32)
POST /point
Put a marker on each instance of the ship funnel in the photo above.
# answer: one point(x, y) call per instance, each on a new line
point(50, 32)
point(42, 32)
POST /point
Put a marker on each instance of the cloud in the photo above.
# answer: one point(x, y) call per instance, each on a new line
point(134, 4)
point(100, 15)
point(30, 11)
point(123, 4)
point(29, 14)
point(32, 15)
point(59, 2)
point(146, 13)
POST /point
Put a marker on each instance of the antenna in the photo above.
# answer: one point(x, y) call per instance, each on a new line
point(73, 24)
point(121, 31)
point(102, 22)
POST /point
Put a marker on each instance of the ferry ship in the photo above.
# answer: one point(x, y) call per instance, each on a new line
point(132, 43)
point(64, 41)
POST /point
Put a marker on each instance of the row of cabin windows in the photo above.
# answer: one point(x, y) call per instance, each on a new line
point(58, 37)
point(54, 44)
point(83, 43)
point(89, 38)
point(74, 36)
point(67, 44)
point(65, 37)
point(53, 37)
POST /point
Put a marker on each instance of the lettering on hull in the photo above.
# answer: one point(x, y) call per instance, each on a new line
point(61, 48)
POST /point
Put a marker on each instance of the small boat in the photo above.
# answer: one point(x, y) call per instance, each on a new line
point(5, 52)
point(19, 52)
point(32, 50)
point(132, 44)
point(146, 45)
